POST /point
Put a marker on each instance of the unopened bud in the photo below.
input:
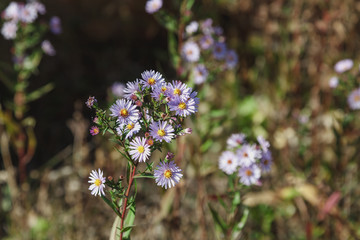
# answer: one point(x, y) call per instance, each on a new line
point(121, 177)
point(138, 103)
point(133, 97)
point(147, 134)
point(110, 178)
point(170, 156)
point(150, 141)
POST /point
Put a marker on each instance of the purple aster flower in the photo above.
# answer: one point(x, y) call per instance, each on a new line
point(200, 74)
point(192, 27)
point(151, 78)
point(12, 12)
point(263, 143)
point(129, 128)
point(178, 89)
point(131, 89)
point(249, 175)
point(333, 82)
point(167, 174)
point(206, 26)
point(153, 6)
point(139, 149)
point(266, 161)
point(117, 89)
point(161, 130)
point(48, 48)
point(183, 107)
point(39, 7)
point(94, 130)
point(235, 140)
point(190, 51)
point(218, 30)
point(9, 29)
point(228, 162)
point(196, 100)
point(231, 59)
point(90, 102)
point(206, 42)
point(354, 99)
point(219, 50)
point(158, 90)
point(343, 65)
point(125, 111)
point(248, 155)
point(55, 25)
point(28, 13)
point(97, 183)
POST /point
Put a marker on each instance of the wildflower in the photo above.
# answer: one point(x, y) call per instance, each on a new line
point(248, 155)
point(192, 27)
point(117, 89)
point(131, 89)
point(12, 12)
point(125, 111)
point(161, 130)
point(191, 51)
point(200, 74)
point(150, 141)
point(153, 6)
point(94, 130)
point(169, 156)
point(206, 42)
point(333, 82)
point(231, 59)
point(160, 90)
point(343, 65)
point(139, 149)
point(151, 78)
point(39, 7)
point(219, 50)
point(263, 143)
point(206, 26)
point(228, 162)
point(90, 102)
point(249, 175)
point(266, 161)
point(354, 99)
point(130, 128)
point(48, 48)
point(167, 174)
point(236, 140)
point(28, 13)
point(183, 107)
point(9, 30)
point(178, 89)
point(98, 183)
point(55, 25)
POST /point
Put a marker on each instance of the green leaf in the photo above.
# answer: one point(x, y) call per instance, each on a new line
point(111, 204)
point(129, 222)
point(165, 19)
point(189, 4)
point(145, 175)
point(219, 222)
point(204, 147)
point(39, 92)
point(238, 227)
point(236, 201)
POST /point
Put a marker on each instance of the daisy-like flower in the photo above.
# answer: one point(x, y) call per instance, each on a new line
point(131, 129)
point(158, 90)
point(192, 27)
point(94, 130)
point(117, 89)
point(153, 6)
point(200, 74)
point(183, 107)
point(55, 25)
point(39, 7)
point(178, 89)
point(248, 155)
point(161, 130)
point(139, 149)
point(231, 59)
point(206, 26)
point(12, 12)
point(28, 13)
point(219, 50)
point(236, 140)
point(167, 174)
point(206, 42)
point(263, 143)
point(131, 89)
point(9, 30)
point(228, 162)
point(125, 111)
point(48, 48)
point(266, 161)
point(151, 78)
point(97, 183)
point(333, 82)
point(249, 175)
point(354, 99)
point(343, 65)
point(191, 51)
point(90, 102)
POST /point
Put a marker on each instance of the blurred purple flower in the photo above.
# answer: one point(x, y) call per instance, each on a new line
point(354, 99)
point(48, 48)
point(55, 25)
point(343, 65)
point(153, 6)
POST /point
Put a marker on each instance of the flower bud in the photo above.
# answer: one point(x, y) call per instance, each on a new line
point(169, 156)
point(150, 142)
point(138, 103)
point(187, 130)
point(121, 177)
point(133, 97)
point(110, 178)
point(147, 134)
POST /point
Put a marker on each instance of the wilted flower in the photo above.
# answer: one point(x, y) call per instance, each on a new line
point(98, 183)
point(153, 6)
point(343, 65)
point(249, 175)
point(139, 149)
point(354, 99)
point(191, 51)
point(167, 174)
point(228, 162)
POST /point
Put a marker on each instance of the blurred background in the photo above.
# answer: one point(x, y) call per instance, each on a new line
point(286, 49)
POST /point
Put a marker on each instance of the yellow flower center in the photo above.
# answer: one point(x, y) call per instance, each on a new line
point(141, 149)
point(97, 182)
point(161, 132)
point(177, 91)
point(151, 81)
point(245, 155)
point(168, 174)
point(163, 89)
point(229, 161)
point(124, 112)
point(96, 130)
point(182, 105)
point(189, 52)
point(130, 126)
point(248, 173)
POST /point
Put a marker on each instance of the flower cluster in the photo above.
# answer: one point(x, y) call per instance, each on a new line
point(246, 159)
point(149, 115)
point(205, 48)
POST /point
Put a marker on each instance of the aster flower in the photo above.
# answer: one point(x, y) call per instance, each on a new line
point(236, 140)
point(158, 90)
point(97, 183)
point(39, 7)
point(28, 13)
point(167, 174)
point(190, 51)
point(55, 25)
point(354, 99)
point(12, 12)
point(161, 130)
point(139, 149)
point(151, 78)
point(231, 59)
point(90, 102)
point(266, 161)
point(94, 130)
point(200, 74)
point(333, 82)
point(183, 107)
point(206, 42)
point(218, 30)
point(117, 89)
point(219, 50)
point(249, 175)
point(343, 65)
point(178, 89)
point(248, 154)
point(196, 100)
point(228, 162)
point(192, 27)
point(9, 30)
point(125, 111)
point(48, 48)
point(131, 129)
point(263, 143)
point(206, 26)
point(131, 89)
point(153, 6)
